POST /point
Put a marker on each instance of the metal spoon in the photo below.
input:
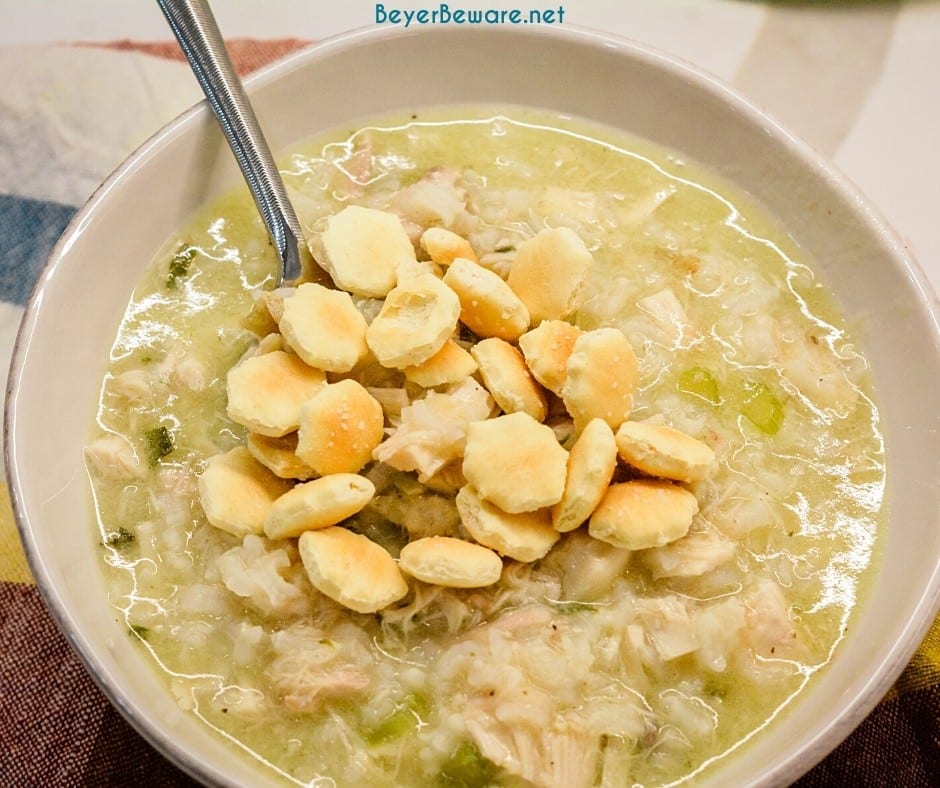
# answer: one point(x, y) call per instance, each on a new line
point(195, 28)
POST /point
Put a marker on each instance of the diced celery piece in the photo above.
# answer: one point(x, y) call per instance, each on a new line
point(699, 382)
point(468, 768)
point(762, 408)
point(419, 704)
point(400, 722)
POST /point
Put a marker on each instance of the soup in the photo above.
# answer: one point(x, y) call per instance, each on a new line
point(586, 643)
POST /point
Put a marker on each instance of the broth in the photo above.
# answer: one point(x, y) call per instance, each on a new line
point(588, 666)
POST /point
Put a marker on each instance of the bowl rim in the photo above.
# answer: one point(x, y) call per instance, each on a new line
point(802, 758)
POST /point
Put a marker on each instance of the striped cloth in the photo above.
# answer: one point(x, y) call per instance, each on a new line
point(56, 728)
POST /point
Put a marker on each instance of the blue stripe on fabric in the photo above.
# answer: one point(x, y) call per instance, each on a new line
point(28, 231)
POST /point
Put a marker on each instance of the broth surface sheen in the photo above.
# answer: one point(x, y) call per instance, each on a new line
point(590, 666)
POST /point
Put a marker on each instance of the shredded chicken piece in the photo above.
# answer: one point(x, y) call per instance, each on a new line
point(718, 628)
point(113, 456)
point(691, 556)
point(311, 667)
point(248, 703)
point(135, 386)
point(434, 201)
point(392, 400)
point(318, 686)
point(522, 713)
point(256, 573)
point(817, 372)
point(545, 757)
point(669, 626)
point(247, 639)
point(589, 567)
point(433, 430)
point(204, 599)
point(741, 508)
point(668, 314)
point(770, 630)
point(173, 494)
point(432, 606)
point(192, 374)
point(153, 384)
point(619, 712)
point(358, 166)
point(182, 370)
point(806, 361)
point(570, 207)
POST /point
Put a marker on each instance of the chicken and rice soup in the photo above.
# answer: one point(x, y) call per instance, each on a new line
point(563, 470)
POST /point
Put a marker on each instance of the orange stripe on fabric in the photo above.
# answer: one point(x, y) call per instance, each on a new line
point(247, 54)
point(13, 566)
point(923, 672)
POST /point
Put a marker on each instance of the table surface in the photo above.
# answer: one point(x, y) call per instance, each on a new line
point(857, 80)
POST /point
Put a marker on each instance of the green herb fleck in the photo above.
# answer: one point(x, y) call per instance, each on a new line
point(762, 408)
point(179, 265)
point(119, 538)
point(699, 382)
point(504, 249)
point(715, 690)
point(159, 444)
point(138, 631)
point(569, 608)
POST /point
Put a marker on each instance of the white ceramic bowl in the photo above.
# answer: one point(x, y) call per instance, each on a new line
point(72, 317)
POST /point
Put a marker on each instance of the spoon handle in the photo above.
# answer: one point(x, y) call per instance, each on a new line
point(195, 28)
